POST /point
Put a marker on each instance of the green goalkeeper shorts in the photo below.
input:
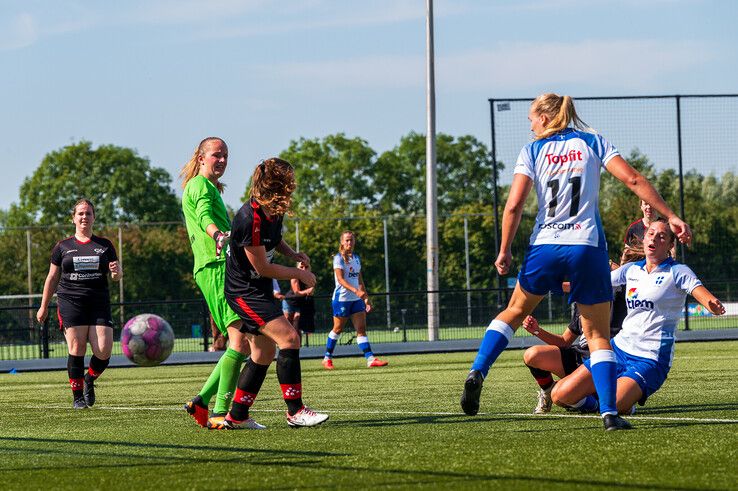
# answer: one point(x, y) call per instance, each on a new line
point(211, 281)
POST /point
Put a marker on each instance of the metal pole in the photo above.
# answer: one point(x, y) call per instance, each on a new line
point(495, 198)
point(683, 249)
point(468, 278)
point(297, 235)
point(431, 205)
point(121, 297)
point(29, 279)
point(386, 273)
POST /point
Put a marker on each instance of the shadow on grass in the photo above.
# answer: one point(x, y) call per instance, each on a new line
point(435, 478)
point(310, 461)
point(455, 419)
point(688, 408)
point(150, 452)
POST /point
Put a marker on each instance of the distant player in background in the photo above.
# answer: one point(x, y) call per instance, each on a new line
point(350, 300)
point(208, 228)
point(79, 267)
point(256, 236)
point(657, 287)
point(567, 242)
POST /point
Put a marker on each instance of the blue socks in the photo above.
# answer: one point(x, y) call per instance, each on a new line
point(364, 346)
point(330, 343)
point(589, 404)
point(495, 340)
point(603, 366)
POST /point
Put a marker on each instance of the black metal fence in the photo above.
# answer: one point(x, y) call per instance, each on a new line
point(464, 314)
point(681, 142)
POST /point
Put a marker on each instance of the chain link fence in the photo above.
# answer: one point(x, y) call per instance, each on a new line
point(681, 142)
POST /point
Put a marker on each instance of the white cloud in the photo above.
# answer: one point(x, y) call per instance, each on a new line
point(20, 32)
point(636, 65)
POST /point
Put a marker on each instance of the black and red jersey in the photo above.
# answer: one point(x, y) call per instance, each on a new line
point(84, 267)
point(250, 227)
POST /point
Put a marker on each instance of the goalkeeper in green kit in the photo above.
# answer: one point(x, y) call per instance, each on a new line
point(208, 228)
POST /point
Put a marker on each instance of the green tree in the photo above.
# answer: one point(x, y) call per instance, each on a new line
point(123, 186)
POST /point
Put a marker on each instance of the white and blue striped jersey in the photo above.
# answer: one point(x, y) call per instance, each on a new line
point(565, 168)
point(655, 304)
point(351, 270)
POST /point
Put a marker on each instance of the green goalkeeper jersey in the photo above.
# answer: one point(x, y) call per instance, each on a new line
point(202, 205)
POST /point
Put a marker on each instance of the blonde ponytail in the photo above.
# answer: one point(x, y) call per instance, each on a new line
point(561, 114)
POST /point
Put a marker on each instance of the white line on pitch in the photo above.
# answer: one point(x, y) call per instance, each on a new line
point(421, 413)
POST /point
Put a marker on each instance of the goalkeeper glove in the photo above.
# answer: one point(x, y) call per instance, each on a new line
point(221, 239)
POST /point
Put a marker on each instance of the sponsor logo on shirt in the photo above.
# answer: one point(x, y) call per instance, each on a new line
point(571, 156)
point(84, 276)
point(559, 226)
point(633, 302)
point(86, 263)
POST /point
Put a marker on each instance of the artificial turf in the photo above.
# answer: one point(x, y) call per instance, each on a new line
point(396, 427)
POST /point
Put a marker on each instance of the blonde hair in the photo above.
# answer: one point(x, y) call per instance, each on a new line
point(83, 201)
point(272, 185)
point(192, 167)
point(560, 111)
point(341, 250)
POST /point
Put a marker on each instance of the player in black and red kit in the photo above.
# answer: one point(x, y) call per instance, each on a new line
point(79, 267)
point(256, 233)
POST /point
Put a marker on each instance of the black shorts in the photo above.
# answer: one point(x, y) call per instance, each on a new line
point(571, 358)
point(73, 312)
point(256, 306)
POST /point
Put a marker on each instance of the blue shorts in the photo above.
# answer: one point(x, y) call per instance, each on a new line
point(546, 266)
point(650, 375)
point(290, 309)
point(347, 309)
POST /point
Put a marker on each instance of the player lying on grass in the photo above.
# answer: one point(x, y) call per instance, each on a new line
point(656, 288)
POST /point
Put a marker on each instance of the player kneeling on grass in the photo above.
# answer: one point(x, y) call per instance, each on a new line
point(255, 235)
point(656, 288)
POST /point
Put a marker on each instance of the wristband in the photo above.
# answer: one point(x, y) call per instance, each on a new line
point(217, 234)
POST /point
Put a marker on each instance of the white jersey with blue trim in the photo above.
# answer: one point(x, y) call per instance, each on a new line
point(655, 304)
point(351, 270)
point(565, 168)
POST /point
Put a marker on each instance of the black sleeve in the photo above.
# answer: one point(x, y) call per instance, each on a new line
point(56, 255)
point(241, 230)
point(112, 254)
point(575, 326)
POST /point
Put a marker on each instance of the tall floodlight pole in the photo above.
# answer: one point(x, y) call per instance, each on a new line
point(431, 205)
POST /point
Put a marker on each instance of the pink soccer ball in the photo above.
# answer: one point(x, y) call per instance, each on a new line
point(147, 340)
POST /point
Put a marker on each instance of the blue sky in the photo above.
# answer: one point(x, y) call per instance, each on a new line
point(158, 75)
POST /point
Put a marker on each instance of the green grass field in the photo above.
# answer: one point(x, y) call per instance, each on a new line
point(398, 427)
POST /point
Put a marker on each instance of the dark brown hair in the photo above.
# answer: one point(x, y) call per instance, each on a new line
point(272, 185)
point(83, 201)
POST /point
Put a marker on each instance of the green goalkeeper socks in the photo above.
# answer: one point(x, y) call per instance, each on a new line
point(211, 385)
point(230, 367)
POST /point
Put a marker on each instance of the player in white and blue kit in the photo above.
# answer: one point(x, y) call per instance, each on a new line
point(350, 300)
point(568, 242)
point(656, 289)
